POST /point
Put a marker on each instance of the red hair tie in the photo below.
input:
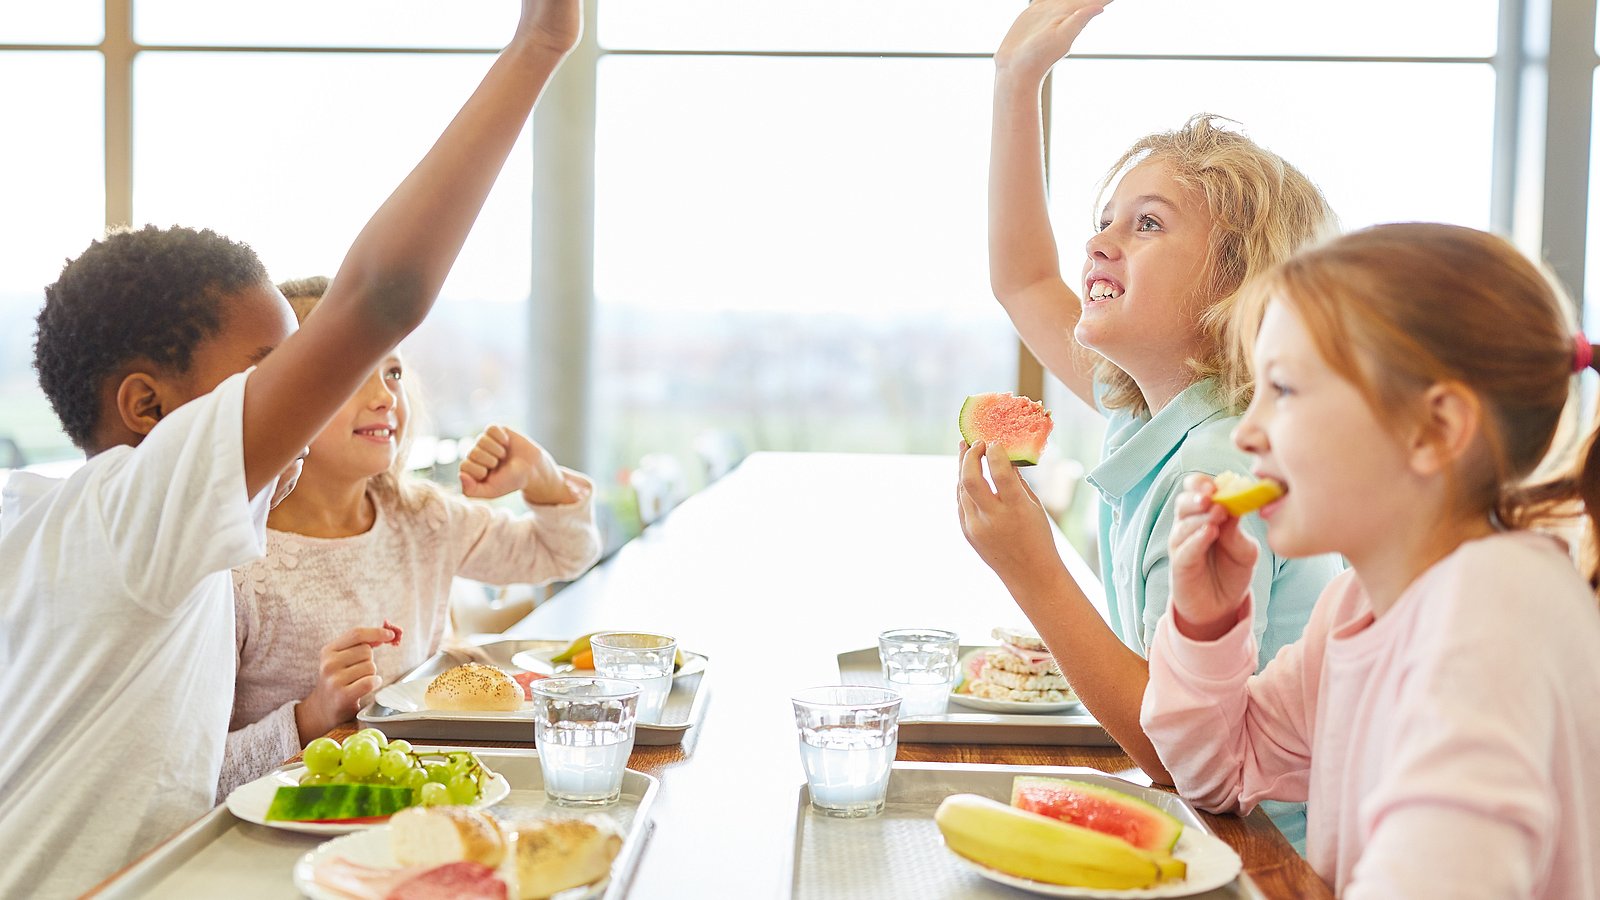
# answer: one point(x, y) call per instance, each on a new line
point(1582, 353)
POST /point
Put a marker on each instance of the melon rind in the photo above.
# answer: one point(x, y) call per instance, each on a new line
point(1103, 809)
point(1021, 451)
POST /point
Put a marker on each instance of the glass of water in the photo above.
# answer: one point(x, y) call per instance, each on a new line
point(642, 658)
point(848, 735)
point(584, 728)
point(922, 665)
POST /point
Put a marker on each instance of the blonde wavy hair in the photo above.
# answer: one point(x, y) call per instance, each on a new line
point(303, 295)
point(1262, 210)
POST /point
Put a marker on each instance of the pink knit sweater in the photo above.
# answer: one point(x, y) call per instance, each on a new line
point(1450, 748)
point(307, 591)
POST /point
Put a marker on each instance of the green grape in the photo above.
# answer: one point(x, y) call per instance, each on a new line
point(340, 777)
point(415, 779)
point(375, 734)
point(437, 773)
point(311, 779)
point(463, 790)
point(402, 746)
point(393, 764)
point(361, 756)
point(435, 794)
point(322, 756)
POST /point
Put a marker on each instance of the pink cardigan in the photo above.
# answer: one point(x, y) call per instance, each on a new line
point(1449, 749)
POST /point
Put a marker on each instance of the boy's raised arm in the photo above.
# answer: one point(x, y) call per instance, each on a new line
point(1024, 267)
point(393, 272)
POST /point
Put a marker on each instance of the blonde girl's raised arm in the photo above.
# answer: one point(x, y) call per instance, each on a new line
point(1024, 265)
point(393, 272)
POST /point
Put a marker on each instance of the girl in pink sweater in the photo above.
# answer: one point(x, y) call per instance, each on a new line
point(1439, 714)
point(354, 588)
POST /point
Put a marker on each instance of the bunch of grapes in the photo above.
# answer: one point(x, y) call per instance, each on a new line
point(436, 777)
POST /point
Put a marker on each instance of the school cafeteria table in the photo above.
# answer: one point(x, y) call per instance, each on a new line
point(771, 572)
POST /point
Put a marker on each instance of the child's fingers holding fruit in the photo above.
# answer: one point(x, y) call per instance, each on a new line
point(1211, 562)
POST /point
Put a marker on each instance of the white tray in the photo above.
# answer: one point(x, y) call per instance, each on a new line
point(685, 703)
point(961, 725)
point(899, 852)
point(224, 856)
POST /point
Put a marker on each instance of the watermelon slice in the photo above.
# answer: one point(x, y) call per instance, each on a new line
point(337, 802)
point(1103, 809)
point(1018, 424)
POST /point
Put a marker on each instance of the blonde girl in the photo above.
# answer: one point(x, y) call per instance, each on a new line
point(1193, 214)
point(355, 585)
point(1439, 713)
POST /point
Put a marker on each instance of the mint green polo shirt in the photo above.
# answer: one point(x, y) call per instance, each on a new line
point(1139, 478)
point(1140, 475)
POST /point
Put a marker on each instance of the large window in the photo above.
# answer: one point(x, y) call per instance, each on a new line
point(788, 196)
point(293, 152)
point(791, 249)
point(52, 192)
point(287, 149)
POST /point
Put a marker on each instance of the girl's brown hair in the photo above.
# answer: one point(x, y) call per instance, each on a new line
point(1429, 304)
point(303, 295)
point(1262, 210)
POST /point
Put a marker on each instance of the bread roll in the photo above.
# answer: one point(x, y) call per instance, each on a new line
point(557, 854)
point(474, 687)
point(435, 835)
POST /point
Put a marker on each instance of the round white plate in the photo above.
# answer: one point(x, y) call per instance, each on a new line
point(1212, 864)
point(538, 660)
point(250, 802)
point(372, 848)
point(1011, 706)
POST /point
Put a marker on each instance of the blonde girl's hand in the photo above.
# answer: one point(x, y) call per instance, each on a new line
point(1007, 525)
point(1044, 33)
point(503, 461)
point(1212, 563)
point(551, 24)
point(346, 674)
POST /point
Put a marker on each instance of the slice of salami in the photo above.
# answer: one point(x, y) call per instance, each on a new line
point(451, 881)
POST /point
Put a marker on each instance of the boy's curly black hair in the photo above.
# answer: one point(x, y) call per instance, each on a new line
point(151, 293)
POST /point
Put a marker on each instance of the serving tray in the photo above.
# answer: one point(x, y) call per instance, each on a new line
point(899, 852)
point(959, 725)
point(684, 707)
point(224, 856)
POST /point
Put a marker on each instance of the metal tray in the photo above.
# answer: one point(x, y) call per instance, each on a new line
point(223, 856)
point(899, 853)
point(685, 704)
point(959, 725)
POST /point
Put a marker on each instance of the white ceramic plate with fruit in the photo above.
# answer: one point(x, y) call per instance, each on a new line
point(439, 775)
point(1211, 864)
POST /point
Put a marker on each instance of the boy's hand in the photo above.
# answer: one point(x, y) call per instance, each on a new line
point(1008, 526)
point(551, 24)
point(1212, 561)
point(504, 461)
point(1044, 33)
point(346, 675)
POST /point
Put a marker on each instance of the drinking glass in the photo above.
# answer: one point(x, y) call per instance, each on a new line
point(922, 665)
point(642, 658)
point(584, 728)
point(848, 735)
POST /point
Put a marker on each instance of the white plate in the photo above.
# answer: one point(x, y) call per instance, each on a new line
point(1212, 864)
point(373, 848)
point(1011, 706)
point(539, 661)
point(250, 802)
point(412, 697)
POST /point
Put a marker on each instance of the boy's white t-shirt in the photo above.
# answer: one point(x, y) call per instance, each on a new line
point(116, 645)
